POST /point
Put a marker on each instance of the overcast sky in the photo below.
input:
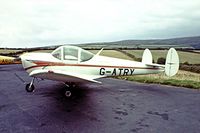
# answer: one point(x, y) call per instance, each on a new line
point(30, 23)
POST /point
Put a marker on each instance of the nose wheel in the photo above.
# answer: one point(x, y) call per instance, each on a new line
point(30, 87)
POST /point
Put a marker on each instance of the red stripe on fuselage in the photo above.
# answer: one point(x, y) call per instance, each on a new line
point(44, 64)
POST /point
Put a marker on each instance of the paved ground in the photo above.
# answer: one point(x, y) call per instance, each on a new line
point(115, 106)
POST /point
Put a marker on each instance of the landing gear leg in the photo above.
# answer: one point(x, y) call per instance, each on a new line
point(30, 87)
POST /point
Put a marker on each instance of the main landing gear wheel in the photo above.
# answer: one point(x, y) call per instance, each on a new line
point(68, 90)
point(30, 87)
point(68, 93)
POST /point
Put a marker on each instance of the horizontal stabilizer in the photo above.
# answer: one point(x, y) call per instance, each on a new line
point(155, 65)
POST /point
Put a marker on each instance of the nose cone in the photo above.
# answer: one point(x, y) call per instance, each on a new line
point(23, 60)
point(26, 60)
point(24, 57)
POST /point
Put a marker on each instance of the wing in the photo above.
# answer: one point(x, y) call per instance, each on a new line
point(64, 76)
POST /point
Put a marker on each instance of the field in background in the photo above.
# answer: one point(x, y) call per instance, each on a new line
point(43, 51)
point(8, 51)
point(192, 58)
point(112, 53)
point(109, 53)
point(197, 51)
point(182, 78)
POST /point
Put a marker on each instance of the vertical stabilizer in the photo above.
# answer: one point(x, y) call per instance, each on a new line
point(172, 62)
point(147, 57)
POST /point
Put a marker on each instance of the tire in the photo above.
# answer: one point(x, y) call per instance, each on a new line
point(68, 93)
point(30, 88)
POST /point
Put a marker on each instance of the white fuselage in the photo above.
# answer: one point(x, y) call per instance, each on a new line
point(99, 66)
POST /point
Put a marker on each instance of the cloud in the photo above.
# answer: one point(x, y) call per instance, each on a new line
point(48, 22)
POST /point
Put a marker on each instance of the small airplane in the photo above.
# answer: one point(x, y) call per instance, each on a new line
point(73, 65)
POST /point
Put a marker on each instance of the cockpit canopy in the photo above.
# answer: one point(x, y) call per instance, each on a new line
point(72, 54)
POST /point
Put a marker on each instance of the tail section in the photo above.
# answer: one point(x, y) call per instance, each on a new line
point(172, 62)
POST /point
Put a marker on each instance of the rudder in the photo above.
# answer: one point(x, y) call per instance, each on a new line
point(147, 57)
point(172, 62)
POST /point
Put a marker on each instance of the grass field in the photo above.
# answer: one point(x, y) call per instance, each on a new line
point(197, 51)
point(192, 58)
point(182, 78)
point(4, 51)
point(112, 53)
point(109, 53)
point(43, 51)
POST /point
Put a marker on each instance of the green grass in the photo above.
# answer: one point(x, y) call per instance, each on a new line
point(173, 82)
point(109, 53)
point(197, 51)
point(4, 51)
point(43, 51)
point(112, 53)
point(192, 58)
point(182, 79)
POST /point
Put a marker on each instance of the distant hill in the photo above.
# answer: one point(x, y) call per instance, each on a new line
point(185, 42)
point(191, 41)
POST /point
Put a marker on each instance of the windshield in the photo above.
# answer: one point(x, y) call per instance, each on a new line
point(85, 55)
point(72, 53)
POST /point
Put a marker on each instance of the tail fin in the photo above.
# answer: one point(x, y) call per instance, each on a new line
point(147, 57)
point(172, 62)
